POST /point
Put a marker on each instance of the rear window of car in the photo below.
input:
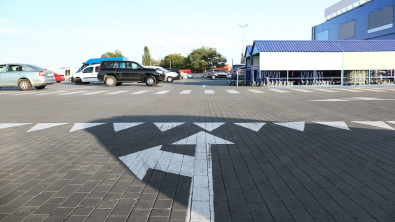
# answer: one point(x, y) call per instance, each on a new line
point(109, 64)
point(35, 67)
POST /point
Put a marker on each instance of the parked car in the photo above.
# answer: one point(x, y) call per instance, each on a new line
point(114, 73)
point(169, 76)
point(87, 75)
point(58, 77)
point(216, 73)
point(25, 76)
point(176, 71)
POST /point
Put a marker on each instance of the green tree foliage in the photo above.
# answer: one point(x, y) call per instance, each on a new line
point(146, 57)
point(117, 53)
point(205, 58)
point(177, 61)
point(154, 62)
point(243, 59)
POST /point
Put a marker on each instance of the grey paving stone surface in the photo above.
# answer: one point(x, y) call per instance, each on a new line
point(276, 173)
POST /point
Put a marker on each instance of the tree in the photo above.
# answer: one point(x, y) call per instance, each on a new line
point(146, 56)
point(243, 59)
point(177, 61)
point(117, 53)
point(154, 62)
point(205, 58)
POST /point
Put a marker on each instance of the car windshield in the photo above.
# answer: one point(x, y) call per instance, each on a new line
point(164, 70)
point(140, 65)
point(84, 65)
point(35, 67)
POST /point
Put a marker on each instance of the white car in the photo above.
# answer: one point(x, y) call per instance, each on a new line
point(86, 75)
point(169, 76)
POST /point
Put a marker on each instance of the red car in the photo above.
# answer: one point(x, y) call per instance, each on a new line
point(58, 77)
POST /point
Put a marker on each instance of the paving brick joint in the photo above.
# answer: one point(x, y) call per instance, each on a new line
point(293, 156)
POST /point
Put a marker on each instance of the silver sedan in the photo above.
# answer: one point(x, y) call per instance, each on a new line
point(25, 76)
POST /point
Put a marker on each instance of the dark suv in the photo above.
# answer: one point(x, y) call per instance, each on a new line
point(114, 73)
point(216, 73)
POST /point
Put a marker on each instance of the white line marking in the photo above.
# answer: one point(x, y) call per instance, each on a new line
point(255, 91)
point(252, 126)
point(350, 90)
point(278, 90)
point(166, 126)
point(91, 93)
point(208, 91)
point(379, 124)
point(162, 92)
point(209, 126)
point(114, 93)
point(41, 126)
point(8, 125)
point(336, 124)
point(302, 90)
point(325, 90)
point(123, 126)
point(72, 93)
point(184, 92)
point(232, 91)
point(48, 93)
point(329, 100)
point(80, 126)
point(140, 92)
point(293, 125)
point(372, 90)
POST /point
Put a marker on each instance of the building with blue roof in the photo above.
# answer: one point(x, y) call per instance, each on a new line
point(337, 62)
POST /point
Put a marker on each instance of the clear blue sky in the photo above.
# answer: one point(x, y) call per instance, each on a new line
point(65, 33)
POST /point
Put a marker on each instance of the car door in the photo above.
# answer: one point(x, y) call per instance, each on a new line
point(11, 76)
point(2, 69)
point(87, 74)
point(136, 72)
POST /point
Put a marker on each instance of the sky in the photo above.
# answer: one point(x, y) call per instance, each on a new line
point(66, 33)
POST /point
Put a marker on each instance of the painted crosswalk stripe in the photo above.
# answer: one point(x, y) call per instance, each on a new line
point(140, 92)
point(325, 90)
point(185, 92)
point(278, 90)
point(302, 90)
point(232, 91)
point(72, 93)
point(208, 91)
point(255, 91)
point(373, 90)
point(162, 92)
point(48, 93)
point(91, 93)
point(114, 93)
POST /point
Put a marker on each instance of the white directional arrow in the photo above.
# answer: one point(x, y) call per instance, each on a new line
point(166, 126)
point(201, 198)
point(8, 125)
point(293, 125)
point(122, 126)
point(209, 126)
point(252, 126)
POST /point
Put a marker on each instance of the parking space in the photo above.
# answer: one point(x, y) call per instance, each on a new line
point(197, 150)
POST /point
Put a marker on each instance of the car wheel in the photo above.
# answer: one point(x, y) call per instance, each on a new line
point(40, 87)
point(86, 83)
point(78, 81)
point(170, 79)
point(118, 83)
point(213, 77)
point(24, 85)
point(150, 81)
point(58, 81)
point(111, 81)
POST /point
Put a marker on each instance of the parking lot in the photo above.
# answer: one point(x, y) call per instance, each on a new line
point(197, 150)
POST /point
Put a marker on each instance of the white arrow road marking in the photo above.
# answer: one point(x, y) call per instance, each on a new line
point(154, 158)
point(293, 125)
point(41, 126)
point(185, 92)
point(122, 126)
point(166, 126)
point(209, 126)
point(201, 199)
point(9, 125)
point(379, 124)
point(80, 126)
point(336, 124)
point(252, 126)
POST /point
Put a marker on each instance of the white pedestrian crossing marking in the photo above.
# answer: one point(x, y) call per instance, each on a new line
point(114, 93)
point(293, 125)
point(209, 126)
point(208, 92)
point(379, 124)
point(184, 92)
point(232, 91)
point(41, 126)
point(140, 92)
point(91, 93)
point(9, 125)
point(252, 126)
point(166, 126)
point(255, 91)
point(123, 126)
point(162, 92)
point(81, 126)
point(336, 124)
point(325, 90)
point(302, 90)
point(372, 90)
point(278, 90)
point(72, 93)
point(49, 93)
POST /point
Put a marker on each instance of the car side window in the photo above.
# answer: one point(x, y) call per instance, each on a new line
point(15, 68)
point(97, 68)
point(109, 64)
point(132, 65)
point(2, 68)
point(88, 70)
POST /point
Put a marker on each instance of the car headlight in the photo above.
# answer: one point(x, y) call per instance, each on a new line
point(159, 71)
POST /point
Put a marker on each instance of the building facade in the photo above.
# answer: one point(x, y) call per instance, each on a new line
point(357, 20)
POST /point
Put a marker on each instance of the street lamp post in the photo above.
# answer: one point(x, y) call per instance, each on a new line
point(242, 46)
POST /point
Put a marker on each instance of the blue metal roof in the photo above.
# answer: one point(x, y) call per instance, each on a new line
point(324, 46)
point(247, 53)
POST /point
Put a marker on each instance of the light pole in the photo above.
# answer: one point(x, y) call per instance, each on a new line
point(158, 47)
point(242, 46)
